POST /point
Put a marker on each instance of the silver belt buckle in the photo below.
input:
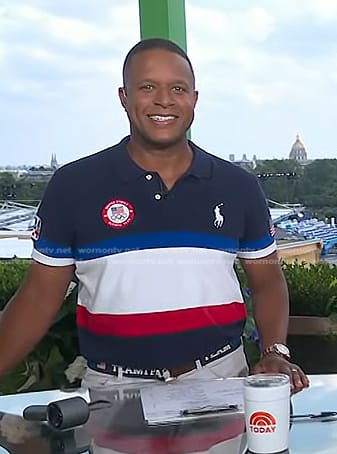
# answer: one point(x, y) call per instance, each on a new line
point(167, 376)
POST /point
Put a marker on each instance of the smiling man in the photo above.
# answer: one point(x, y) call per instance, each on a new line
point(151, 227)
point(159, 97)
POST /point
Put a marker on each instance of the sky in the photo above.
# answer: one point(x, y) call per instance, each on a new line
point(266, 70)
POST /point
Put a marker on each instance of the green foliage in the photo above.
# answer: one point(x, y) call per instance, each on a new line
point(21, 189)
point(314, 187)
point(312, 289)
point(12, 273)
point(30, 192)
point(312, 292)
point(44, 367)
point(58, 348)
point(319, 184)
point(281, 189)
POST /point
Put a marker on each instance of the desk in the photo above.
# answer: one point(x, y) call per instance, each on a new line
point(124, 431)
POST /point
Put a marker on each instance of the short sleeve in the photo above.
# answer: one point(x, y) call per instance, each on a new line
point(53, 230)
point(258, 240)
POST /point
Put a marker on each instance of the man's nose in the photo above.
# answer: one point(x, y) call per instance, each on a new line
point(164, 97)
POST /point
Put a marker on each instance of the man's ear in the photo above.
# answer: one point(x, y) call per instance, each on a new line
point(122, 96)
point(196, 97)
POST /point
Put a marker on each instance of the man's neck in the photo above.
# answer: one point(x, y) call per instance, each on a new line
point(170, 163)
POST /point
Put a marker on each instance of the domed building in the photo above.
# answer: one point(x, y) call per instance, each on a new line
point(298, 151)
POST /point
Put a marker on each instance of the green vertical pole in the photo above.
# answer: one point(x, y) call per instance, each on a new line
point(164, 19)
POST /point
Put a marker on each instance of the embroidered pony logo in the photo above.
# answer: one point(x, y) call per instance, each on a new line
point(219, 219)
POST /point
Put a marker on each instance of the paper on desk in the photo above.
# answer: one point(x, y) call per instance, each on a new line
point(163, 403)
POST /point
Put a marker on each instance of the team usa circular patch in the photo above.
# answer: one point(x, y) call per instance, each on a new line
point(118, 213)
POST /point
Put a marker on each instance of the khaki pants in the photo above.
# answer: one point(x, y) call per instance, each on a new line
point(232, 365)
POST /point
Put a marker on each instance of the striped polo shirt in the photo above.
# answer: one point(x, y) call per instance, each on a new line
point(157, 287)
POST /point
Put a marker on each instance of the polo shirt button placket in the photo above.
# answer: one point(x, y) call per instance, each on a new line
point(157, 195)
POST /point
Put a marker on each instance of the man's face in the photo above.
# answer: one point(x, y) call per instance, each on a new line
point(159, 97)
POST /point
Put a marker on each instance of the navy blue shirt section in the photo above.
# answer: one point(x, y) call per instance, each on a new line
point(104, 214)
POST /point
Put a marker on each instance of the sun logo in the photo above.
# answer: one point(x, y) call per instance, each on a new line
point(262, 422)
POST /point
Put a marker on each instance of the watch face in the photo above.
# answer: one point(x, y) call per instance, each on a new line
point(282, 349)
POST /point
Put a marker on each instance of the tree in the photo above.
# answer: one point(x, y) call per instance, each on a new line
point(21, 190)
point(276, 184)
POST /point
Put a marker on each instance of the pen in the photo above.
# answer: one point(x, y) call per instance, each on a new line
point(208, 410)
point(322, 415)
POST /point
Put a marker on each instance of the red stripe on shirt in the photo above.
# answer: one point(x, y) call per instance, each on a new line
point(166, 322)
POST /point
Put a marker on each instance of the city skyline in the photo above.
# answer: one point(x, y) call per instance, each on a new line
point(297, 152)
point(266, 71)
point(53, 161)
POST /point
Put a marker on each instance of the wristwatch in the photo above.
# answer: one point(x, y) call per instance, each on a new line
point(279, 349)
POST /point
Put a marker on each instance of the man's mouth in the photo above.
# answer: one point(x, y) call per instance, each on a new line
point(162, 118)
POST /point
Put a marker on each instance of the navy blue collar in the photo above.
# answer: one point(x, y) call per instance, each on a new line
point(201, 166)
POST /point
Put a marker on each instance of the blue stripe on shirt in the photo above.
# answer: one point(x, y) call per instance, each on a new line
point(155, 241)
point(256, 245)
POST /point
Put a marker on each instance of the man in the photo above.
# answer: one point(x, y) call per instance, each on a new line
point(154, 248)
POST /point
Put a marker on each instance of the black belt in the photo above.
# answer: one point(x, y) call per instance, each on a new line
point(164, 374)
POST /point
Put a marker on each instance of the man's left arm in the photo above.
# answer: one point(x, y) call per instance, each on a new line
point(271, 311)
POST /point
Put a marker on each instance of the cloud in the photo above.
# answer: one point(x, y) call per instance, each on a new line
point(324, 10)
point(45, 48)
point(225, 31)
point(248, 55)
point(69, 30)
point(288, 10)
point(265, 69)
point(260, 88)
point(229, 49)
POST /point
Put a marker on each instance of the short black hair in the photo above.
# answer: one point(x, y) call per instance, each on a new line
point(155, 43)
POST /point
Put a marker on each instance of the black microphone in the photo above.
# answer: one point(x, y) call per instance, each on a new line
point(64, 414)
point(35, 413)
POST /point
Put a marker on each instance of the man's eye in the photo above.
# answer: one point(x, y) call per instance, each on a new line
point(178, 89)
point(147, 87)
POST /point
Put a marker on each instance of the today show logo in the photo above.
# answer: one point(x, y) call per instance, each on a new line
point(262, 422)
